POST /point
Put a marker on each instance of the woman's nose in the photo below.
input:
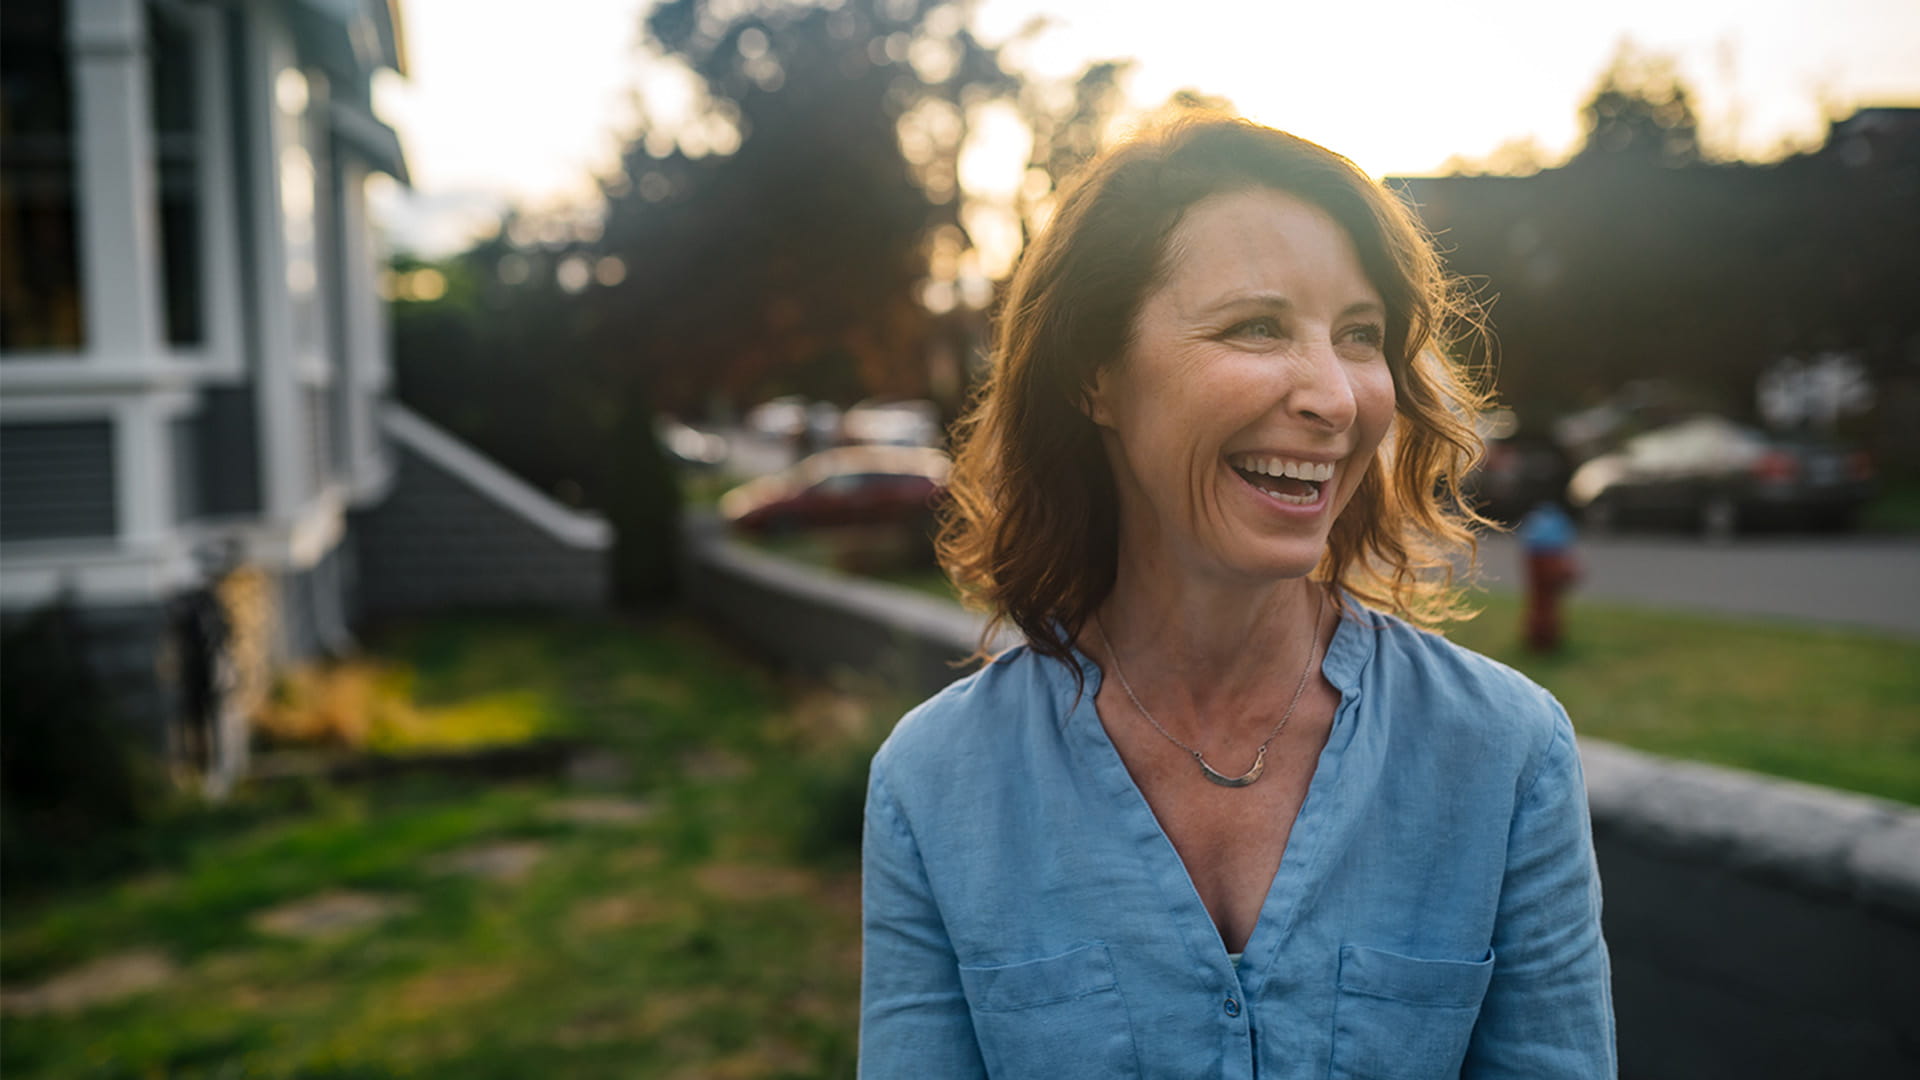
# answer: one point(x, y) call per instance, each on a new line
point(1322, 391)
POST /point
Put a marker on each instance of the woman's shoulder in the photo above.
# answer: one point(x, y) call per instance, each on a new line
point(1476, 699)
point(1427, 652)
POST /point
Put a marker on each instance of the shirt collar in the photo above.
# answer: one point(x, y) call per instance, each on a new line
point(1346, 661)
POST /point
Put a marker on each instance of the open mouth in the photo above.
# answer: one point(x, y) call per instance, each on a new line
point(1296, 483)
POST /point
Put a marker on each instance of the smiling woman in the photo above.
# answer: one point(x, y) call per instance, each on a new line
point(1275, 843)
point(1036, 511)
point(1253, 395)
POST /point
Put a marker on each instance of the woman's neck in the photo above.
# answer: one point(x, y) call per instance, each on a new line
point(1208, 646)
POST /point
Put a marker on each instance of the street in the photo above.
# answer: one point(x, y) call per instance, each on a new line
point(1871, 582)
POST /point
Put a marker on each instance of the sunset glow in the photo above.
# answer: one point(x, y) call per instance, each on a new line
point(502, 107)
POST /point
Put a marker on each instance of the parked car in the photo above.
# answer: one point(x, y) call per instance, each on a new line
point(892, 423)
point(848, 485)
point(779, 418)
point(1518, 474)
point(802, 425)
point(1717, 476)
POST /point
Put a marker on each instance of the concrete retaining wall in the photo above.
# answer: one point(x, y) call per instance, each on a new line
point(1759, 928)
point(817, 620)
point(458, 531)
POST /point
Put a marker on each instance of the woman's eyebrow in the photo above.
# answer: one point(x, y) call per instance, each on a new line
point(1269, 300)
point(1277, 302)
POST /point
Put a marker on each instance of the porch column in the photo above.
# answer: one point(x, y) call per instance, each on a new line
point(119, 230)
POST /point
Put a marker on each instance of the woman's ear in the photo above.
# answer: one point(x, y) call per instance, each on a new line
point(1096, 397)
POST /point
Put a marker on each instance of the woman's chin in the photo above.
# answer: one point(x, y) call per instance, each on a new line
point(1271, 562)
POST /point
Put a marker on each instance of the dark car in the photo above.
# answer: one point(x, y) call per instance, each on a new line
point(1717, 476)
point(850, 485)
point(1517, 474)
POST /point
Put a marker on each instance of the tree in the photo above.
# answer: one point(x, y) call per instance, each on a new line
point(1641, 111)
point(803, 245)
point(1069, 125)
point(774, 236)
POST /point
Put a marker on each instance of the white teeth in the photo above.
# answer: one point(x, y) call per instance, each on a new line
point(1317, 472)
point(1296, 500)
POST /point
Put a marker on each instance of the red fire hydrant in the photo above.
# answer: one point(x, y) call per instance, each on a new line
point(1546, 535)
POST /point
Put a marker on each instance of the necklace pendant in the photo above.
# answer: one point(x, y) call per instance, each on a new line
point(1248, 777)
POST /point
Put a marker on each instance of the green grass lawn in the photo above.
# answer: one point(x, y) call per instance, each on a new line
point(1833, 707)
point(698, 918)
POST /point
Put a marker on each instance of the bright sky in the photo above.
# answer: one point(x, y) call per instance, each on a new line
point(505, 105)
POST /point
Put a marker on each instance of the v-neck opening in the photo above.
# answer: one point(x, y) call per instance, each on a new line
point(1345, 658)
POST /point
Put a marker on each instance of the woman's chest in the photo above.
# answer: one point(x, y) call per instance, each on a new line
point(1230, 841)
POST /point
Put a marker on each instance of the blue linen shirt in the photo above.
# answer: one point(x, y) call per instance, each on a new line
point(1436, 913)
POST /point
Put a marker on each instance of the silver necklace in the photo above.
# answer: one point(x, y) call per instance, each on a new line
point(1259, 758)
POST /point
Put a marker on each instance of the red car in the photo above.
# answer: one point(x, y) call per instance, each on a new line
point(849, 485)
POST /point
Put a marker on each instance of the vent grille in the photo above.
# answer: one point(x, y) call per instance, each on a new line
point(57, 481)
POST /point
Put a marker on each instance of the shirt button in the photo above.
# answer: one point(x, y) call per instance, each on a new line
point(1232, 1007)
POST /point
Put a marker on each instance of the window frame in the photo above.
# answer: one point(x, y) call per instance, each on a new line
point(220, 354)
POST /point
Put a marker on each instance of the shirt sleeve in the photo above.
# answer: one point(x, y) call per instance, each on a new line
point(1548, 1012)
point(914, 1020)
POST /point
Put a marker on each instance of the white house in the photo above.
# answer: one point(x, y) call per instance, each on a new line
point(193, 350)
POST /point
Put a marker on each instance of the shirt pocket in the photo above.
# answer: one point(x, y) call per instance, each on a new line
point(1061, 1017)
point(1404, 1018)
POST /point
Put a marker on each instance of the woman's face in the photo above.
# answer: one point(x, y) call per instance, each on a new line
point(1253, 395)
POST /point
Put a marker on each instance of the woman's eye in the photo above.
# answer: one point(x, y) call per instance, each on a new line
point(1370, 334)
point(1265, 328)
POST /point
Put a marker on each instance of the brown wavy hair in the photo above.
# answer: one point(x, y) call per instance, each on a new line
point(1029, 531)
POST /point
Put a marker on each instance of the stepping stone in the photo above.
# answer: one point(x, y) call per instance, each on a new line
point(598, 811)
point(827, 717)
point(508, 861)
point(745, 881)
point(329, 915)
point(713, 764)
point(99, 982)
point(598, 768)
point(621, 912)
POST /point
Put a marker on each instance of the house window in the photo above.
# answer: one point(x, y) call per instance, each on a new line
point(174, 57)
point(39, 259)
